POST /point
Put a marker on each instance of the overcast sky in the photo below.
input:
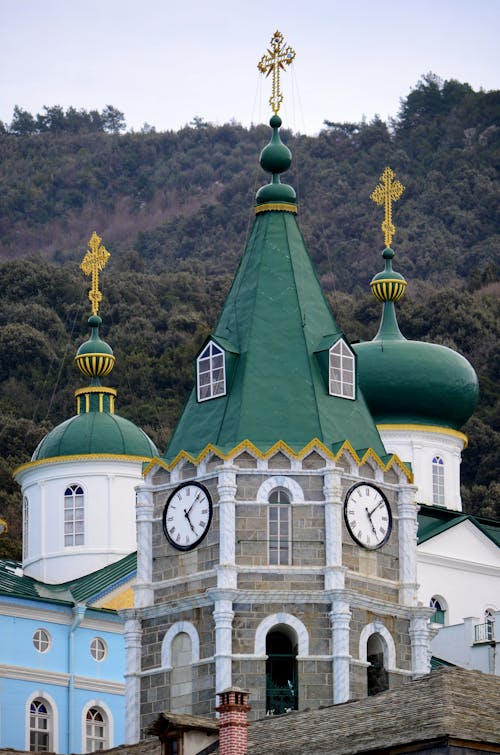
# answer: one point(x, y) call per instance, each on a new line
point(162, 62)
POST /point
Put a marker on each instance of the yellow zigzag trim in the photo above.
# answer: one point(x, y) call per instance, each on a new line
point(280, 445)
point(276, 207)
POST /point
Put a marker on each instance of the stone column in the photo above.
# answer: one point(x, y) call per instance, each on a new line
point(407, 515)
point(132, 637)
point(332, 490)
point(340, 617)
point(223, 616)
point(420, 644)
point(143, 589)
point(226, 570)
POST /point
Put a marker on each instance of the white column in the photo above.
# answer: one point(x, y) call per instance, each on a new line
point(340, 617)
point(223, 616)
point(143, 589)
point(226, 570)
point(132, 637)
point(420, 644)
point(332, 490)
point(407, 515)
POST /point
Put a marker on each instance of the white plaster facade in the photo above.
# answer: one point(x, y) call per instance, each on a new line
point(108, 485)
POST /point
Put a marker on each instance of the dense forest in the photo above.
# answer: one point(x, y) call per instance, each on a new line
point(175, 208)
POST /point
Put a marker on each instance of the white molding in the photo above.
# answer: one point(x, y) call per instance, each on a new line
point(166, 646)
point(42, 615)
point(376, 627)
point(279, 481)
point(100, 685)
point(111, 724)
point(26, 674)
point(288, 620)
point(455, 563)
point(54, 729)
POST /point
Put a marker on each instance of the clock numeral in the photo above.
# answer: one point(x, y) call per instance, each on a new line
point(204, 511)
point(381, 530)
point(170, 518)
point(172, 530)
point(350, 512)
point(384, 519)
point(360, 534)
point(187, 539)
point(179, 496)
point(353, 524)
point(188, 491)
point(178, 538)
point(367, 492)
point(201, 524)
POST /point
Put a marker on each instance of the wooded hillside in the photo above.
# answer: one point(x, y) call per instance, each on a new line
point(174, 210)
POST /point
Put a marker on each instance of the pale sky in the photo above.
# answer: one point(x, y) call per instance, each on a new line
point(162, 62)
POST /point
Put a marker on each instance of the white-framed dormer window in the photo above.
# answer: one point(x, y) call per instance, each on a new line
point(74, 515)
point(438, 481)
point(342, 375)
point(279, 528)
point(210, 372)
point(26, 530)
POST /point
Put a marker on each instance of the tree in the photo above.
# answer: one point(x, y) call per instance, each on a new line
point(113, 120)
point(22, 122)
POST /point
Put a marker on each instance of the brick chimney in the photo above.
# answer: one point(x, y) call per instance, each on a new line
point(233, 723)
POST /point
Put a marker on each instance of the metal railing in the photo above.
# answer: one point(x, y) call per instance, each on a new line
point(484, 632)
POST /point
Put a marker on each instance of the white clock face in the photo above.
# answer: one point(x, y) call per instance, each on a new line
point(368, 515)
point(187, 516)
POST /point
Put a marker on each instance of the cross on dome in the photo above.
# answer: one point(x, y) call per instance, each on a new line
point(95, 260)
point(274, 62)
point(385, 193)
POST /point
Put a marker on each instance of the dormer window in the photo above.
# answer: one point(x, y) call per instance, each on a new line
point(341, 371)
point(211, 375)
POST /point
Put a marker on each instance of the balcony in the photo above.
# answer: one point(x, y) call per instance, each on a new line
point(484, 632)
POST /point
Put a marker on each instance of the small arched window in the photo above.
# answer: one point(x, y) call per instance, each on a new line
point(280, 530)
point(439, 610)
point(210, 372)
point(74, 516)
point(341, 371)
point(41, 726)
point(26, 531)
point(438, 481)
point(96, 730)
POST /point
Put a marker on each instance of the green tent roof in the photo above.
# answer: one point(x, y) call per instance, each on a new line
point(432, 520)
point(274, 324)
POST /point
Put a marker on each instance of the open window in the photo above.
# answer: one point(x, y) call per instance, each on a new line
point(211, 372)
point(281, 670)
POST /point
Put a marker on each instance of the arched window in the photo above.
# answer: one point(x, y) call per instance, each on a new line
point(280, 530)
point(41, 726)
point(489, 619)
point(378, 678)
point(26, 531)
point(96, 730)
point(211, 376)
point(74, 513)
point(341, 373)
point(281, 670)
point(438, 605)
point(438, 481)
point(181, 675)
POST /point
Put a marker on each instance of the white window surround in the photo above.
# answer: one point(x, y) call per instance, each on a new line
point(376, 627)
point(211, 372)
point(279, 545)
point(166, 646)
point(98, 649)
point(42, 640)
point(109, 721)
point(54, 719)
point(341, 371)
point(438, 600)
point(275, 620)
point(280, 481)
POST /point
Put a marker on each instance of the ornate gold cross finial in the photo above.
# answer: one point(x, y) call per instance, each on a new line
point(274, 62)
point(94, 261)
point(387, 192)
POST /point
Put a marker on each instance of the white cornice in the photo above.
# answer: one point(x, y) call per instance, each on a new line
point(63, 618)
point(100, 685)
point(458, 564)
point(23, 673)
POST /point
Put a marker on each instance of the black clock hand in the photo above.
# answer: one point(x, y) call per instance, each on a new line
point(369, 514)
point(374, 509)
point(189, 510)
point(186, 514)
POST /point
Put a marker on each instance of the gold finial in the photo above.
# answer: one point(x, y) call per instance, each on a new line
point(95, 259)
point(387, 192)
point(273, 63)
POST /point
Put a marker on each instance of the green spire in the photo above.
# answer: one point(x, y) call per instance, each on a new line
point(276, 158)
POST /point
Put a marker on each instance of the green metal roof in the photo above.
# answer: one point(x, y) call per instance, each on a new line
point(432, 520)
point(440, 663)
point(276, 319)
point(95, 433)
point(86, 589)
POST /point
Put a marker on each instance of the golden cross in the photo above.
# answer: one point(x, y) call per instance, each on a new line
point(387, 192)
point(95, 259)
point(273, 63)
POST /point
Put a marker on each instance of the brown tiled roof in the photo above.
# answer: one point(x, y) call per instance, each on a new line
point(448, 703)
point(182, 722)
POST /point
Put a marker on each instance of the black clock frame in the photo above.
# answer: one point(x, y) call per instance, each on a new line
point(174, 492)
point(349, 530)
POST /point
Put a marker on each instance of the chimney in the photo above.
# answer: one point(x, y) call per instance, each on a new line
point(233, 723)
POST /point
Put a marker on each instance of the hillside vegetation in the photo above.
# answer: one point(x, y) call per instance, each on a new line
point(174, 210)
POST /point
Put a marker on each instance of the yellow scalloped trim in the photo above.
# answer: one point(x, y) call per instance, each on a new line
point(280, 445)
point(96, 389)
point(276, 207)
point(79, 457)
point(427, 429)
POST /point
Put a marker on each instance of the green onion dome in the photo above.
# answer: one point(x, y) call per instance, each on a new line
point(96, 433)
point(95, 357)
point(412, 382)
point(275, 158)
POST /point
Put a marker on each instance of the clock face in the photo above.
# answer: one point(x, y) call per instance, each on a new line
point(368, 515)
point(187, 516)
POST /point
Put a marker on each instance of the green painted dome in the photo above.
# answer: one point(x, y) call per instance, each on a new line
point(95, 433)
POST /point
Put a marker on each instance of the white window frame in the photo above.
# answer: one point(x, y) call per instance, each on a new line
point(26, 526)
point(107, 715)
point(279, 516)
point(341, 371)
point(52, 717)
point(438, 603)
point(74, 515)
point(438, 486)
point(42, 640)
point(211, 372)
point(98, 649)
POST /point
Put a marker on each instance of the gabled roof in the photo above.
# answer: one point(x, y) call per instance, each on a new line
point(433, 520)
point(276, 320)
point(87, 589)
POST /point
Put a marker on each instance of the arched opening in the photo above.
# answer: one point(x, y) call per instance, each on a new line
point(41, 726)
point(377, 676)
point(439, 606)
point(96, 730)
point(282, 679)
point(181, 675)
